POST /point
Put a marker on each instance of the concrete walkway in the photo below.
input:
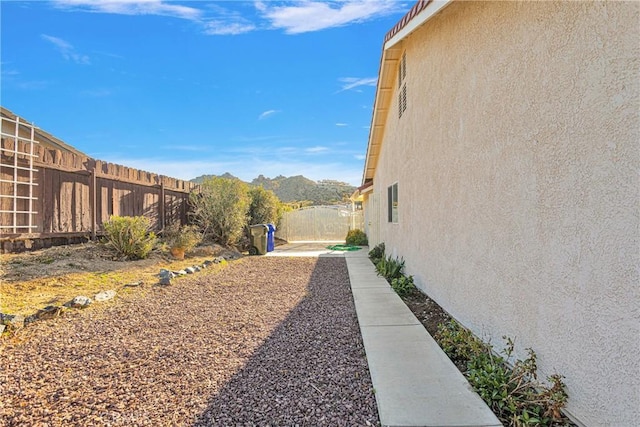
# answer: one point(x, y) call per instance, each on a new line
point(414, 381)
point(310, 249)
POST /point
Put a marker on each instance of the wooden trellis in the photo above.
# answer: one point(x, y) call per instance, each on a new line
point(17, 176)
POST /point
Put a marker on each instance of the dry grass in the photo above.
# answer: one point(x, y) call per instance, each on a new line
point(57, 275)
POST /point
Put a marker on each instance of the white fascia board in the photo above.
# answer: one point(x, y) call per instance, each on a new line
point(367, 190)
point(429, 12)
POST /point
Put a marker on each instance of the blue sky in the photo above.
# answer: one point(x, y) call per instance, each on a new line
point(201, 87)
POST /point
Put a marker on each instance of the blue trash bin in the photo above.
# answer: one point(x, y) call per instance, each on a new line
point(271, 239)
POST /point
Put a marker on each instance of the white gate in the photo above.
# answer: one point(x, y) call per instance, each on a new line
point(372, 213)
point(319, 223)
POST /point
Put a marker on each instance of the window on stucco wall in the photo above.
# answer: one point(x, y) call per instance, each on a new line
point(402, 85)
point(392, 202)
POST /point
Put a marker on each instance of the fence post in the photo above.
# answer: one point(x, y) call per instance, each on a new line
point(93, 183)
point(161, 203)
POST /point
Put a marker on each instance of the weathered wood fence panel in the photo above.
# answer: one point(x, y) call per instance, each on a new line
point(75, 195)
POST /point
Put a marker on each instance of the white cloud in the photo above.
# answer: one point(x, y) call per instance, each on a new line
point(306, 16)
point(316, 149)
point(224, 22)
point(267, 113)
point(109, 54)
point(349, 83)
point(341, 124)
point(292, 17)
point(223, 28)
point(66, 49)
point(360, 156)
point(133, 7)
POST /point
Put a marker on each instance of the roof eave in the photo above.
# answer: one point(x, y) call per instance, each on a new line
point(420, 13)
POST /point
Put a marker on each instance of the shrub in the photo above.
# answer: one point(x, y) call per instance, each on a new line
point(513, 393)
point(182, 237)
point(130, 236)
point(264, 207)
point(356, 237)
point(220, 209)
point(390, 268)
point(377, 253)
point(403, 285)
point(459, 343)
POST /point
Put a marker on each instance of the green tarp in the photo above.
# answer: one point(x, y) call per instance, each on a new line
point(344, 248)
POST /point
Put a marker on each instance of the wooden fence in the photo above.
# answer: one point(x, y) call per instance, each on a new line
point(47, 193)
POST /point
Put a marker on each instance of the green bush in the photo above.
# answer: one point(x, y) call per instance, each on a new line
point(356, 237)
point(377, 253)
point(510, 388)
point(184, 237)
point(130, 236)
point(403, 285)
point(390, 268)
point(459, 343)
point(221, 208)
point(264, 207)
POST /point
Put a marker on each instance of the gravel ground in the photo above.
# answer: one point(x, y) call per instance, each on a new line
point(265, 341)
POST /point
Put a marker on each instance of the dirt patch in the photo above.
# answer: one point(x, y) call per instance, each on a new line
point(53, 276)
point(428, 312)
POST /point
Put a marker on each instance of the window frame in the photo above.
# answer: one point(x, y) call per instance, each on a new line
point(392, 204)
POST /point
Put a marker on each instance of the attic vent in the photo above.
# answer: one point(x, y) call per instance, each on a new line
point(402, 85)
point(402, 100)
point(402, 69)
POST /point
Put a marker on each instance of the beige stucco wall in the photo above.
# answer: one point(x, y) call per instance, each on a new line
point(517, 162)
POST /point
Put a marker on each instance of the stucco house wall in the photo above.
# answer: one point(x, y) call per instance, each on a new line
point(517, 164)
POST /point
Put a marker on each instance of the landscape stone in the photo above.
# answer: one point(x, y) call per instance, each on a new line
point(165, 280)
point(231, 255)
point(167, 273)
point(180, 273)
point(14, 321)
point(190, 270)
point(197, 268)
point(2, 328)
point(49, 312)
point(207, 263)
point(79, 302)
point(136, 284)
point(104, 295)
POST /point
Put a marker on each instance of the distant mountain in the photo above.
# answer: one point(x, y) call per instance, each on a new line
point(201, 178)
point(298, 188)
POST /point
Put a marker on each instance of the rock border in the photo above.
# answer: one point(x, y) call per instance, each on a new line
point(15, 322)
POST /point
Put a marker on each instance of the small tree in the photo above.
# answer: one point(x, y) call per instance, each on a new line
point(220, 209)
point(265, 207)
